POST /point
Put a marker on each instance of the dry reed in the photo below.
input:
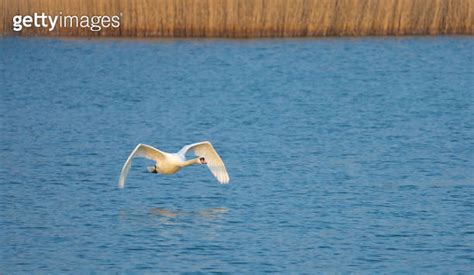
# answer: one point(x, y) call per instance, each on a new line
point(253, 18)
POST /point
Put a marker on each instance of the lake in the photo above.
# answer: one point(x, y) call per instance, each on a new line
point(345, 154)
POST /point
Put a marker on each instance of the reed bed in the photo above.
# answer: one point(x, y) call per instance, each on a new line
point(253, 18)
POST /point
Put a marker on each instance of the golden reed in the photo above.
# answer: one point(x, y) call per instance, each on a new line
point(253, 18)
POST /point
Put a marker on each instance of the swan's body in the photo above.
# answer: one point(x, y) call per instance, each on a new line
point(171, 163)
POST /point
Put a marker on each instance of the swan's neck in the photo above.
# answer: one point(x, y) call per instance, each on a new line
point(191, 162)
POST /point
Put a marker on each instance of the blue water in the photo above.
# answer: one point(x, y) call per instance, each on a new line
point(344, 155)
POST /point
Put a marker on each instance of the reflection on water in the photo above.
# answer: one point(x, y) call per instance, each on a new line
point(163, 212)
point(211, 213)
point(170, 216)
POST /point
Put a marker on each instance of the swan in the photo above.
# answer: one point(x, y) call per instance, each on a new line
point(171, 163)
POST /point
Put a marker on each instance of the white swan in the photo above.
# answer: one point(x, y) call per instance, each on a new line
point(170, 163)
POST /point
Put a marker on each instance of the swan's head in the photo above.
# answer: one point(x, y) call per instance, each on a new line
point(202, 160)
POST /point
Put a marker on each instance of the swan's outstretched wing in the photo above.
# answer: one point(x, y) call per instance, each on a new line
point(142, 150)
point(214, 162)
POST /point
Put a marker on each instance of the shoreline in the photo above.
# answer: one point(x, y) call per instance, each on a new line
point(224, 39)
point(244, 19)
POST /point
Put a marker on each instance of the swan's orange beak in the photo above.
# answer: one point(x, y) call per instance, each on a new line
point(203, 160)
